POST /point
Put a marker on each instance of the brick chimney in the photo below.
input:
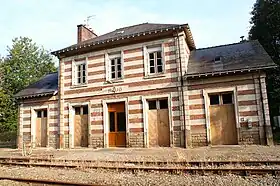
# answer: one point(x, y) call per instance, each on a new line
point(84, 33)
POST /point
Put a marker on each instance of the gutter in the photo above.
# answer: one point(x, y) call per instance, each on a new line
point(36, 95)
point(182, 92)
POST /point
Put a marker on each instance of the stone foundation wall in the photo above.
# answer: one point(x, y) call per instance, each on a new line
point(177, 139)
point(96, 141)
point(199, 139)
point(53, 141)
point(66, 140)
point(249, 136)
point(136, 139)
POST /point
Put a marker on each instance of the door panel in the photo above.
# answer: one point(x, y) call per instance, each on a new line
point(163, 128)
point(44, 132)
point(153, 128)
point(81, 127)
point(223, 125)
point(41, 128)
point(117, 124)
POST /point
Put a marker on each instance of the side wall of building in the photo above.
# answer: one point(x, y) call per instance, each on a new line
point(27, 120)
point(248, 107)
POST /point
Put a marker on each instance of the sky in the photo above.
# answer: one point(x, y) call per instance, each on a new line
point(53, 23)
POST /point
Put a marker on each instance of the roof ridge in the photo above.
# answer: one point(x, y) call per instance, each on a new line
point(226, 44)
point(130, 26)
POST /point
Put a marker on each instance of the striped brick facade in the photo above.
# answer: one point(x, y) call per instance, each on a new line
point(187, 105)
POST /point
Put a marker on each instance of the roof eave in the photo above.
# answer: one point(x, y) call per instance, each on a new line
point(189, 76)
point(53, 93)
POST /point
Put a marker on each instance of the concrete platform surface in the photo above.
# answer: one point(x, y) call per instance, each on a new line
point(236, 152)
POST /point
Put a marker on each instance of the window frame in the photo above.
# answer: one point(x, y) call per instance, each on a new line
point(114, 56)
point(75, 65)
point(148, 49)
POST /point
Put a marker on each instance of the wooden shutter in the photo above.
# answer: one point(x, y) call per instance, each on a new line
point(146, 62)
point(74, 76)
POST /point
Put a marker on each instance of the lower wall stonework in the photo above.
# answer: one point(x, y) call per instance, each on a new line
point(249, 136)
point(136, 139)
point(177, 139)
point(53, 141)
point(96, 141)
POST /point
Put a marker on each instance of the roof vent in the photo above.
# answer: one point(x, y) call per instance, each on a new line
point(217, 59)
point(120, 32)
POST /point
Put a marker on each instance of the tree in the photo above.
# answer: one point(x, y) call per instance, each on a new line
point(266, 28)
point(25, 64)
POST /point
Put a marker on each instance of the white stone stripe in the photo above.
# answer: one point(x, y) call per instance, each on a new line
point(26, 130)
point(96, 118)
point(246, 97)
point(26, 115)
point(134, 54)
point(196, 111)
point(251, 118)
point(53, 128)
point(177, 123)
point(246, 87)
point(194, 92)
point(198, 122)
point(136, 125)
point(26, 122)
point(96, 127)
point(133, 107)
point(134, 116)
point(196, 101)
point(247, 108)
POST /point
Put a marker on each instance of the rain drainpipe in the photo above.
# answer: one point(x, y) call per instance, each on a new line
point(182, 90)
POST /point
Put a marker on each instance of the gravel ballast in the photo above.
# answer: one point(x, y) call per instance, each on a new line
point(107, 177)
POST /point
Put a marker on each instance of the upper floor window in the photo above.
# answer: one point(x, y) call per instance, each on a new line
point(154, 60)
point(79, 73)
point(115, 66)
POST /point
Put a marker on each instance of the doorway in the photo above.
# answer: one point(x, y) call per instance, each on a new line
point(81, 126)
point(222, 119)
point(117, 124)
point(41, 128)
point(158, 123)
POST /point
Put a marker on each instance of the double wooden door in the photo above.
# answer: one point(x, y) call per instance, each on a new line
point(117, 124)
point(41, 128)
point(158, 123)
point(81, 126)
point(222, 119)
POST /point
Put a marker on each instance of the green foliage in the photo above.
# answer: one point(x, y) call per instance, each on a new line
point(266, 28)
point(25, 64)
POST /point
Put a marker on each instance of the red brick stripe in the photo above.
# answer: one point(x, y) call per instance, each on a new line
point(135, 102)
point(96, 105)
point(129, 51)
point(67, 84)
point(92, 65)
point(177, 128)
point(246, 92)
point(198, 128)
point(140, 66)
point(54, 116)
point(136, 130)
point(176, 118)
point(197, 106)
point(26, 112)
point(54, 109)
point(67, 62)
point(135, 111)
point(136, 120)
point(197, 116)
point(97, 80)
point(246, 103)
point(134, 75)
point(53, 132)
point(170, 53)
point(96, 114)
point(248, 113)
point(68, 77)
point(96, 72)
point(134, 58)
point(100, 122)
point(220, 84)
point(170, 61)
point(80, 59)
point(175, 98)
point(169, 44)
point(245, 124)
point(151, 82)
point(96, 57)
point(27, 119)
point(53, 124)
point(97, 131)
point(175, 108)
point(68, 70)
point(197, 96)
point(26, 126)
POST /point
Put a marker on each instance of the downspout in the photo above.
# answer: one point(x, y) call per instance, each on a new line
point(182, 91)
point(263, 113)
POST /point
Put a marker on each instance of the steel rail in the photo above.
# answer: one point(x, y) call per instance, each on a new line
point(44, 181)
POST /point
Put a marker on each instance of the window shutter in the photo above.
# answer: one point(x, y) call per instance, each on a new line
point(107, 67)
point(146, 62)
point(122, 63)
point(73, 73)
point(86, 70)
point(163, 57)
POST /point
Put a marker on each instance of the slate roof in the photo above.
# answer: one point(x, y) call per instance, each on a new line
point(130, 32)
point(48, 85)
point(244, 56)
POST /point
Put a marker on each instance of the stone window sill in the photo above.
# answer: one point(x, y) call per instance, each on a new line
point(154, 76)
point(114, 81)
point(79, 86)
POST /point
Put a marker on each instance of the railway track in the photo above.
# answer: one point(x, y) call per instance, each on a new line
point(247, 168)
point(44, 182)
